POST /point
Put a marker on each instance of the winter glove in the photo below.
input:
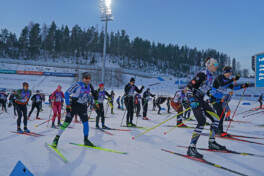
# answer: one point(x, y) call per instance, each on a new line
point(96, 104)
point(68, 108)
point(236, 77)
point(142, 87)
point(245, 85)
point(193, 104)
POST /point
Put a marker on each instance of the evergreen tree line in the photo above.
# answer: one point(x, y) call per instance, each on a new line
point(37, 41)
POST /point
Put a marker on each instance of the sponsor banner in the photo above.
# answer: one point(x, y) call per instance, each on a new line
point(29, 72)
point(259, 70)
point(59, 74)
point(8, 71)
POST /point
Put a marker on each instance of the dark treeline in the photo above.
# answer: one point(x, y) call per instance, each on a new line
point(37, 41)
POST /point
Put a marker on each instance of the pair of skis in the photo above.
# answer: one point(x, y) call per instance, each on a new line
point(28, 134)
point(204, 161)
point(107, 132)
point(232, 137)
point(81, 145)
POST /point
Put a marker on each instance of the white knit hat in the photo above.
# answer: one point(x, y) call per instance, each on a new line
point(210, 62)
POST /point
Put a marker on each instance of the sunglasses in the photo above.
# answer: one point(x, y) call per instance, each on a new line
point(216, 64)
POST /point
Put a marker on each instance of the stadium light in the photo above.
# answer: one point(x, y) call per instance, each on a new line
point(105, 15)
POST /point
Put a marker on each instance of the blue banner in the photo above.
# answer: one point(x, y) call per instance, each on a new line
point(59, 74)
point(260, 70)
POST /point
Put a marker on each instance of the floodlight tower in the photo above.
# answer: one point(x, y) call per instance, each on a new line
point(105, 15)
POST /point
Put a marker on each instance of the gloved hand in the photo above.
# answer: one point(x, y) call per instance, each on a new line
point(96, 104)
point(245, 85)
point(68, 108)
point(236, 77)
point(142, 87)
point(193, 104)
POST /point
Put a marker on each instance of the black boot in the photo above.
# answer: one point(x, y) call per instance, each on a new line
point(26, 130)
point(55, 141)
point(87, 142)
point(53, 125)
point(194, 153)
point(19, 130)
point(132, 124)
point(59, 123)
point(97, 126)
point(213, 145)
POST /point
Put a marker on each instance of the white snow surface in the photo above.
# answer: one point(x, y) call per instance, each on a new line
point(144, 153)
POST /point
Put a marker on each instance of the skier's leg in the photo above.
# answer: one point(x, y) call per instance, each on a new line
point(32, 109)
point(219, 110)
point(24, 110)
point(19, 113)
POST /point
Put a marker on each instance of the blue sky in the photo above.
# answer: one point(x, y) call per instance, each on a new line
point(235, 27)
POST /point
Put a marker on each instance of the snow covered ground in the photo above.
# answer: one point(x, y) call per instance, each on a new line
point(144, 153)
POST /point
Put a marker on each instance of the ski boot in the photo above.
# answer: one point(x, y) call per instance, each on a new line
point(59, 123)
point(19, 130)
point(193, 152)
point(132, 124)
point(97, 126)
point(53, 125)
point(145, 118)
point(87, 142)
point(213, 145)
point(55, 141)
point(181, 125)
point(37, 118)
point(128, 124)
point(26, 130)
point(227, 119)
point(105, 127)
point(224, 134)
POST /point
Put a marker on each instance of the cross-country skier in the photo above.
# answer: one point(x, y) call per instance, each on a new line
point(112, 101)
point(177, 104)
point(154, 104)
point(159, 101)
point(36, 101)
point(260, 100)
point(130, 88)
point(3, 98)
point(79, 92)
point(145, 100)
point(57, 97)
point(101, 93)
point(12, 99)
point(137, 104)
point(118, 102)
point(220, 86)
point(122, 102)
point(168, 104)
point(198, 87)
point(22, 98)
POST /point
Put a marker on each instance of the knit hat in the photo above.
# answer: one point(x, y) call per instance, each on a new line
point(132, 79)
point(227, 69)
point(101, 85)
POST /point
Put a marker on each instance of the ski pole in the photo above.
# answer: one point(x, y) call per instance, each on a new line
point(236, 109)
point(50, 112)
point(178, 125)
point(160, 124)
point(126, 104)
point(182, 122)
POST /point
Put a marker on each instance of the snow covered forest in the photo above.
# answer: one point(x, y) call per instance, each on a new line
point(51, 41)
